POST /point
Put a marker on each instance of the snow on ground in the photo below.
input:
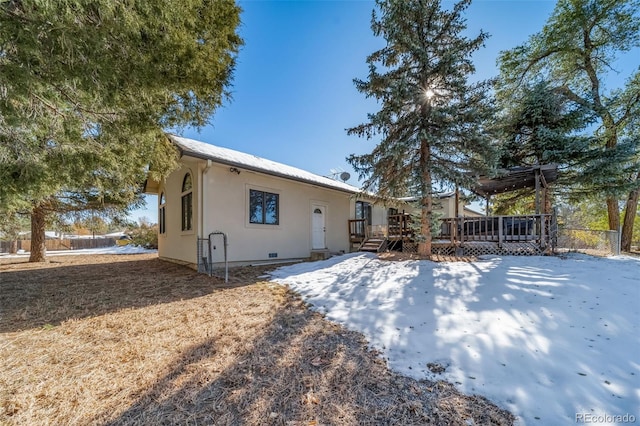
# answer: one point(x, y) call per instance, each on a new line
point(548, 338)
point(128, 249)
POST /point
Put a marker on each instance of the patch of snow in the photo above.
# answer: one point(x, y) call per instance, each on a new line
point(115, 234)
point(547, 338)
point(128, 249)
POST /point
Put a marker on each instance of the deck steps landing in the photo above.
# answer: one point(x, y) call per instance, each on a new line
point(373, 245)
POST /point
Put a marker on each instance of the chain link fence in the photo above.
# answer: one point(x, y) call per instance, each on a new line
point(212, 255)
point(600, 243)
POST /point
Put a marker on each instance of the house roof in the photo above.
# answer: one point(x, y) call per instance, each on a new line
point(241, 160)
point(441, 196)
point(469, 209)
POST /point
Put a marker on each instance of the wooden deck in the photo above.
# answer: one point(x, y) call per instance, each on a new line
point(504, 235)
point(499, 229)
point(469, 236)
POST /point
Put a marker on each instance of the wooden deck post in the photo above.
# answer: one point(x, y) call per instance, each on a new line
point(457, 200)
point(453, 230)
point(537, 182)
point(500, 232)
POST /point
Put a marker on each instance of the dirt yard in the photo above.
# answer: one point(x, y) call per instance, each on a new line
point(134, 340)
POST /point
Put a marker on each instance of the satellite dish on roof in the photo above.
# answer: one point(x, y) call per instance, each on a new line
point(345, 176)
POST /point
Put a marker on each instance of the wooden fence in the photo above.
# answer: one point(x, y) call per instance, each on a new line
point(66, 244)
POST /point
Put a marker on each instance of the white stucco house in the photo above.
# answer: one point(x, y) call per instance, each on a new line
point(268, 211)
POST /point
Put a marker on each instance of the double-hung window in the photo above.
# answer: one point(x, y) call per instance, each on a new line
point(264, 207)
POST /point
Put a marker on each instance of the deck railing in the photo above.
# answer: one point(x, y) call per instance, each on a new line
point(399, 227)
point(499, 229)
point(357, 230)
point(535, 228)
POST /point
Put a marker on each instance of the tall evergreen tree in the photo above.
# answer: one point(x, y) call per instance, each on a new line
point(539, 126)
point(86, 88)
point(574, 51)
point(432, 119)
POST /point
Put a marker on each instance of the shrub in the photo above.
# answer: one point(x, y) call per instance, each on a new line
point(145, 236)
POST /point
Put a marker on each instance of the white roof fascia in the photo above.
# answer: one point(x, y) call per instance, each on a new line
point(441, 195)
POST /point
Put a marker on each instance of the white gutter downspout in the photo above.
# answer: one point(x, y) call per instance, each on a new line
point(202, 198)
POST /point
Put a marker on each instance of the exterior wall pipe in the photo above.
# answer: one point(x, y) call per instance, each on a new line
point(201, 231)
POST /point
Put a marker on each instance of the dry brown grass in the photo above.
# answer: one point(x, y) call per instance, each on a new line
point(134, 340)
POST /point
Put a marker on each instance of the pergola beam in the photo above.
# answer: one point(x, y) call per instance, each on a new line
point(516, 178)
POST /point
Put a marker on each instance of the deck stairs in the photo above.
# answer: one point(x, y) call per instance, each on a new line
point(374, 244)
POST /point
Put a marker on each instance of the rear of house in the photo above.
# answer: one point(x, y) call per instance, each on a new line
point(267, 211)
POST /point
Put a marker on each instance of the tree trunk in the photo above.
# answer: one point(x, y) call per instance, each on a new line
point(424, 247)
point(630, 211)
point(38, 223)
point(613, 212)
point(13, 247)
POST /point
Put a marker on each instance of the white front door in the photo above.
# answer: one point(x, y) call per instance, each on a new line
point(318, 227)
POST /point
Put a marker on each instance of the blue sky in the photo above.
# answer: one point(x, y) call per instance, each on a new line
point(293, 92)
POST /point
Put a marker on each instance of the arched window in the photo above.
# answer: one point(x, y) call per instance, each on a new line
point(161, 214)
point(187, 203)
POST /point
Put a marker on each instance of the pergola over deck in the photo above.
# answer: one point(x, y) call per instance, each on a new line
point(519, 235)
point(515, 178)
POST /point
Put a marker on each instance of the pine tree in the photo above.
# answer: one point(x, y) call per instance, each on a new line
point(432, 119)
point(574, 51)
point(540, 126)
point(86, 89)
